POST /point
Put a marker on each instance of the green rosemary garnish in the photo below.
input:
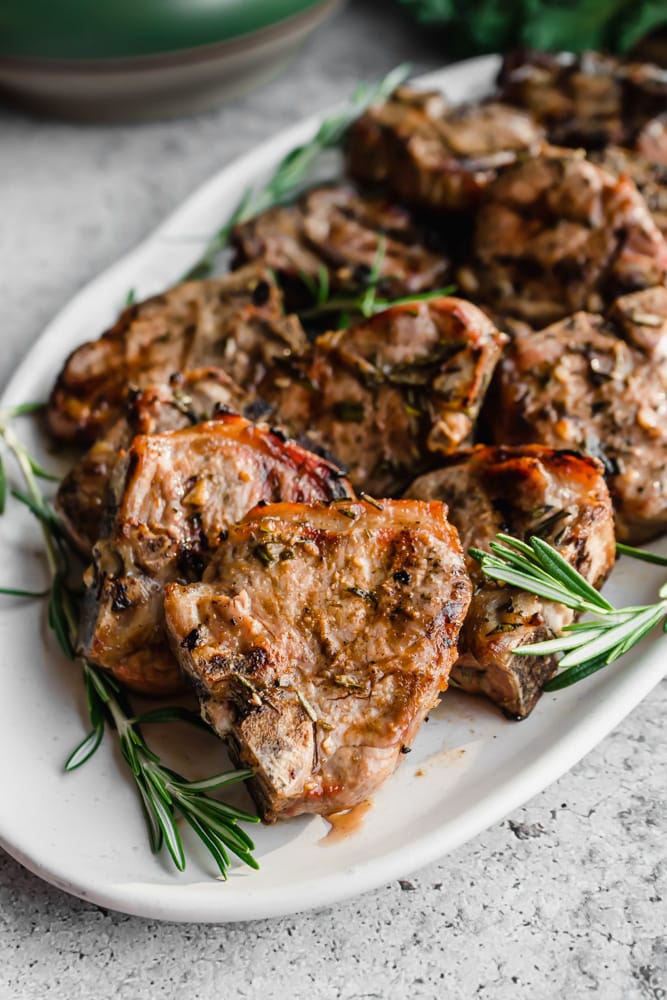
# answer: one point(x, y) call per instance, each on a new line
point(163, 792)
point(359, 305)
point(290, 175)
point(538, 568)
point(641, 554)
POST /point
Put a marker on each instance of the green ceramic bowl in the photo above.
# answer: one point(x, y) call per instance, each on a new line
point(128, 59)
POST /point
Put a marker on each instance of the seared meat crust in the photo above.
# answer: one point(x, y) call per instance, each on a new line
point(434, 155)
point(185, 399)
point(528, 490)
point(590, 100)
point(388, 395)
point(235, 323)
point(318, 641)
point(649, 175)
point(174, 496)
point(598, 385)
point(338, 228)
point(557, 233)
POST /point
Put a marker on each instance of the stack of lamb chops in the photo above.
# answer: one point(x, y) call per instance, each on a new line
point(279, 516)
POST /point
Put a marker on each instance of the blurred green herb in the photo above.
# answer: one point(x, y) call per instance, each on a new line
point(475, 26)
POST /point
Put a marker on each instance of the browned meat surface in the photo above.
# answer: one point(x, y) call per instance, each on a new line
point(174, 496)
point(341, 230)
point(598, 385)
point(386, 396)
point(318, 641)
point(652, 140)
point(641, 319)
point(434, 155)
point(184, 400)
point(649, 176)
point(557, 495)
point(557, 233)
point(235, 322)
point(590, 100)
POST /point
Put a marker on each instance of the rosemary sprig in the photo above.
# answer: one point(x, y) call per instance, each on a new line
point(290, 175)
point(354, 307)
point(359, 305)
point(163, 792)
point(586, 647)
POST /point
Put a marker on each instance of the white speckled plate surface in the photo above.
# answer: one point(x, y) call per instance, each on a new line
point(84, 831)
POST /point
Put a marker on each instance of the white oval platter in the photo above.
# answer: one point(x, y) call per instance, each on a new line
point(84, 833)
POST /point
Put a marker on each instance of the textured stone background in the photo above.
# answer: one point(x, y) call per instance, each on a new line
point(566, 898)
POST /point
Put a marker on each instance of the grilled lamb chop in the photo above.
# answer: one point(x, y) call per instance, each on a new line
point(598, 385)
point(174, 497)
point(235, 323)
point(557, 233)
point(340, 229)
point(384, 397)
point(185, 399)
point(318, 641)
point(431, 154)
point(528, 490)
point(590, 100)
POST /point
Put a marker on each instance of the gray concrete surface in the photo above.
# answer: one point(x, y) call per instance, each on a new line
point(565, 898)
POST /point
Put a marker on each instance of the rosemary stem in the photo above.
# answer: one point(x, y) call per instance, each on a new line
point(20, 454)
point(537, 568)
point(162, 791)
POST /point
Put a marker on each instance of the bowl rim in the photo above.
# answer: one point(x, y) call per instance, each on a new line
point(300, 22)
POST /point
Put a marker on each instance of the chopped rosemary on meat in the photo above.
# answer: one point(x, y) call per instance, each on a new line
point(347, 681)
point(349, 411)
point(347, 513)
point(538, 568)
point(365, 595)
point(164, 793)
point(371, 500)
point(263, 553)
point(307, 707)
point(294, 169)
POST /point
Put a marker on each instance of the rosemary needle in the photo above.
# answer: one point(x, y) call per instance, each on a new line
point(586, 647)
point(641, 554)
point(163, 792)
